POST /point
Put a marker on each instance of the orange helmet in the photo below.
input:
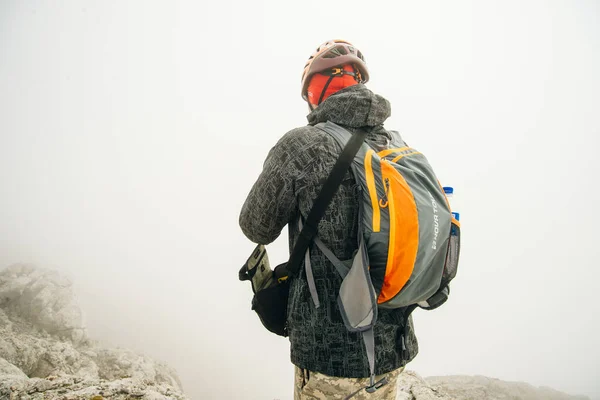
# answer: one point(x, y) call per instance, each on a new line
point(331, 54)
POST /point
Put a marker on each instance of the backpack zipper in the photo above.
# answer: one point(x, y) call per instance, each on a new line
point(370, 178)
point(397, 158)
point(387, 152)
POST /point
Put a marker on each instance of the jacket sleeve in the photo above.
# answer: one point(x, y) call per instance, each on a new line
point(272, 202)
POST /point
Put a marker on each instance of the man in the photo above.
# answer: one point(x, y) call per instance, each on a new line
point(330, 361)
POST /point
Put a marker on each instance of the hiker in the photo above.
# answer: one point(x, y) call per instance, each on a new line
point(330, 362)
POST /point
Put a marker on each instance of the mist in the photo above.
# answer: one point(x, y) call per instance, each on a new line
point(131, 132)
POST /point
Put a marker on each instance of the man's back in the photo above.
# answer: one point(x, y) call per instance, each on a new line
point(293, 175)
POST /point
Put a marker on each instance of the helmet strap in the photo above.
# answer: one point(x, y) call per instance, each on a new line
point(357, 74)
point(325, 88)
point(337, 72)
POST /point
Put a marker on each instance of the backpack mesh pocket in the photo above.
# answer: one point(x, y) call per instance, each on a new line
point(451, 265)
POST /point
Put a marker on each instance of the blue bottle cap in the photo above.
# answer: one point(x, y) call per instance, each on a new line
point(448, 189)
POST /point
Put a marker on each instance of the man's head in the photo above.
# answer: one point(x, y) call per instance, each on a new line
point(335, 65)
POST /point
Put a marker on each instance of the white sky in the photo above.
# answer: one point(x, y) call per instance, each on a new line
point(131, 132)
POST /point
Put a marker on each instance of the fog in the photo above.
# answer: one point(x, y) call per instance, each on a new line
point(131, 132)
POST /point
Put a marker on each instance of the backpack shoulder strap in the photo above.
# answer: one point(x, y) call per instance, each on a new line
point(397, 140)
point(341, 268)
point(342, 137)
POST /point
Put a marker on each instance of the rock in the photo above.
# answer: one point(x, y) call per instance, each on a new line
point(38, 354)
point(119, 363)
point(64, 388)
point(45, 352)
point(482, 388)
point(412, 387)
point(43, 298)
point(8, 370)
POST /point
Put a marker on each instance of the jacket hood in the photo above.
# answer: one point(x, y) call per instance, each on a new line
point(354, 107)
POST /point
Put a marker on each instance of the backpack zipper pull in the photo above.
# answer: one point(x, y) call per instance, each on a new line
point(382, 203)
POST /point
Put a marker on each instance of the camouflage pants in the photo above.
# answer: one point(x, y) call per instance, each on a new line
point(313, 385)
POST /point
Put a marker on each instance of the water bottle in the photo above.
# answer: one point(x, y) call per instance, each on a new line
point(449, 190)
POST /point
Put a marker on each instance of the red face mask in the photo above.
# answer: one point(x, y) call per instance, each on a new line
point(318, 83)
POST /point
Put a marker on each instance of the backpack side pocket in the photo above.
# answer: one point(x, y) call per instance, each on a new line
point(452, 256)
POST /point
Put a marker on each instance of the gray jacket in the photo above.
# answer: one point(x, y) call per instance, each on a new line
point(292, 177)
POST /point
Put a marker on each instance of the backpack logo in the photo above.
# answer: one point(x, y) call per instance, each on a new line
point(436, 222)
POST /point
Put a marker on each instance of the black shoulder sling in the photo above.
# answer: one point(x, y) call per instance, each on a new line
point(271, 303)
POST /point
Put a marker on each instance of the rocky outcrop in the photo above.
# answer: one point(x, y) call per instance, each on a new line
point(412, 387)
point(482, 388)
point(45, 351)
point(43, 300)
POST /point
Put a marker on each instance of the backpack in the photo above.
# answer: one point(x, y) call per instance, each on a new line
point(409, 241)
